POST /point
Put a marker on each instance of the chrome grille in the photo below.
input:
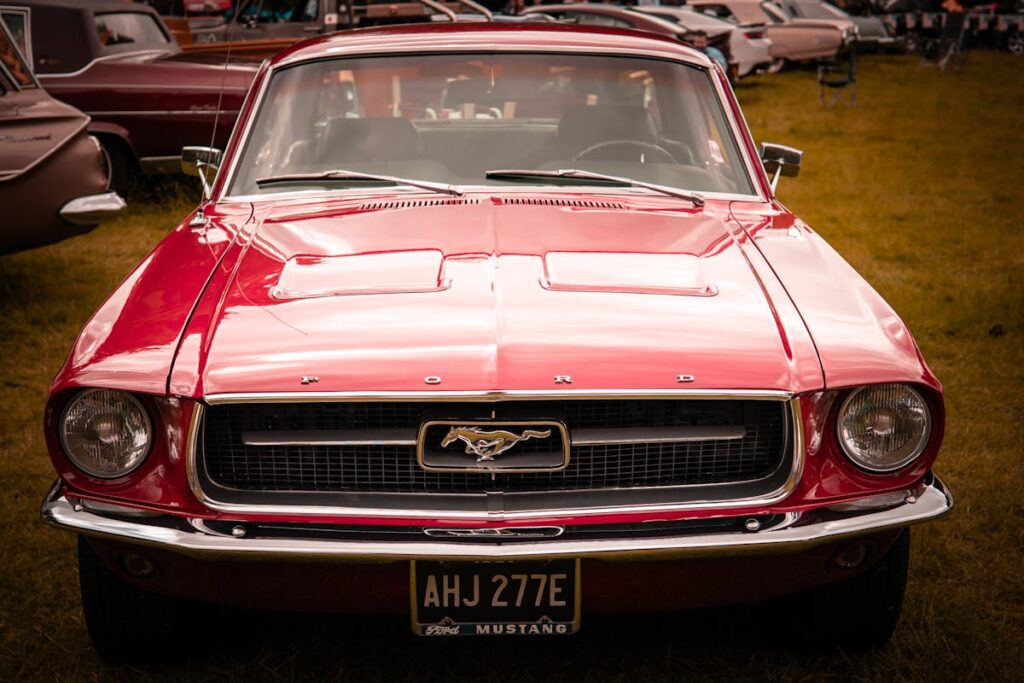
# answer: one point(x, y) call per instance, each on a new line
point(229, 464)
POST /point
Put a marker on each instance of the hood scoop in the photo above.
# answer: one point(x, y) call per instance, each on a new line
point(552, 201)
point(417, 203)
point(306, 277)
point(631, 273)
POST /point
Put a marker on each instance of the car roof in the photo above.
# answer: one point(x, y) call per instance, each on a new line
point(99, 7)
point(487, 37)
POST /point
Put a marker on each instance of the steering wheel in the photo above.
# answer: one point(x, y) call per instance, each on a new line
point(658, 150)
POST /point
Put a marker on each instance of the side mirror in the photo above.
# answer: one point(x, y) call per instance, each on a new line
point(203, 163)
point(780, 160)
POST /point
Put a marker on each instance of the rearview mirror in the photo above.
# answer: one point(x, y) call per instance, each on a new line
point(203, 163)
point(780, 160)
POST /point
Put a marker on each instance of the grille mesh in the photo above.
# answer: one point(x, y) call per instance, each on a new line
point(229, 463)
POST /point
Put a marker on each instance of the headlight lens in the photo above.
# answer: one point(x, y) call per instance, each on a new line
point(105, 433)
point(884, 427)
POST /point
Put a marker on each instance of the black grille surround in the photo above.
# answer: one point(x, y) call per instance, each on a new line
point(389, 477)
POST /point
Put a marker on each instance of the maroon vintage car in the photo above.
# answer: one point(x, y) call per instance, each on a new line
point(117, 62)
point(53, 183)
point(493, 328)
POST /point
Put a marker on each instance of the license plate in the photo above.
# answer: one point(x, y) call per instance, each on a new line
point(534, 597)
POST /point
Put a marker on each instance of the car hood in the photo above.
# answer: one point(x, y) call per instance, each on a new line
point(492, 293)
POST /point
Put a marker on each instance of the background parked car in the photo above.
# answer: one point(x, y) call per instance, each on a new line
point(117, 62)
point(592, 14)
point(871, 30)
point(792, 39)
point(52, 180)
point(748, 43)
point(261, 28)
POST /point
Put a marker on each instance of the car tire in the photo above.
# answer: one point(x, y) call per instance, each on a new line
point(126, 624)
point(776, 66)
point(120, 163)
point(860, 614)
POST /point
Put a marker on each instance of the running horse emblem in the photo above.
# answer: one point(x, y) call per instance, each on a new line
point(485, 444)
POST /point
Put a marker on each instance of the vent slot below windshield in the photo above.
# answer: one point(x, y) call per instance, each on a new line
point(551, 201)
point(415, 203)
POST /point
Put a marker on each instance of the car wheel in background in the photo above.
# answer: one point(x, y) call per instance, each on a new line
point(125, 623)
point(776, 66)
point(120, 163)
point(861, 613)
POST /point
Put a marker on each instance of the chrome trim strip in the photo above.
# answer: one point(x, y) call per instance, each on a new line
point(92, 209)
point(624, 435)
point(166, 112)
point(795, 422)
point(152, 86)
point(798, 530)
point(488, 396)
point(332, 437)
point(496, 532)
point(97, 60)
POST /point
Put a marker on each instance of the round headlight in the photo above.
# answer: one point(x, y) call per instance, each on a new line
point(884, 427)
point(105, 433)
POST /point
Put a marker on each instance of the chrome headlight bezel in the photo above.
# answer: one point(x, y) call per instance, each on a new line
point(915, 446)
point(81, 461)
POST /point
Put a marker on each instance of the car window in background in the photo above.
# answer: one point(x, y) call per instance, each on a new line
point(717, 12)
point(13, 62)
point(776, 14)
point(278, 11)
point(129, 28)
point(452, 118)
point(815, 10)
point(588, 19)
point(16, 20)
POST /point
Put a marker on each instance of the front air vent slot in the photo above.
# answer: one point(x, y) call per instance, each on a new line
point(416, 203)
point(551, 201)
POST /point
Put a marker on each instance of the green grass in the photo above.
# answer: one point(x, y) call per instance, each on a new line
point(919, 187)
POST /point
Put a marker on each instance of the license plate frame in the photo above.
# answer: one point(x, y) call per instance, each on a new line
point(453, 581)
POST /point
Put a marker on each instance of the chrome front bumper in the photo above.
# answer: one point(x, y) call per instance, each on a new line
point(93, 209)
point(794, 531)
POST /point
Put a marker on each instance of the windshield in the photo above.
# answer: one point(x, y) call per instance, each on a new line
point(451, 118)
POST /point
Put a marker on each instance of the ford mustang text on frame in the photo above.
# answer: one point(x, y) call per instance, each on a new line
point(492, 328)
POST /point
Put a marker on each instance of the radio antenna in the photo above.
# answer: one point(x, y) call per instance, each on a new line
point(224, 74)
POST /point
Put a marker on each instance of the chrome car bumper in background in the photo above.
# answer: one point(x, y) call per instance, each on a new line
point(781, 533)
point(93, 209)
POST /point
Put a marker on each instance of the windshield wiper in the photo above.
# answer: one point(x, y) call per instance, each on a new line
point(573, 173)
point(343, 175)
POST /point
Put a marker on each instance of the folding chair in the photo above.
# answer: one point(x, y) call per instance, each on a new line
point(951, 41)
point(837, 78)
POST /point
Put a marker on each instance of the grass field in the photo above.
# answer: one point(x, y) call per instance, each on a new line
point(918, 187)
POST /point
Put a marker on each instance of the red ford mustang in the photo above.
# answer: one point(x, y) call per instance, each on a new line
point(493, 327)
